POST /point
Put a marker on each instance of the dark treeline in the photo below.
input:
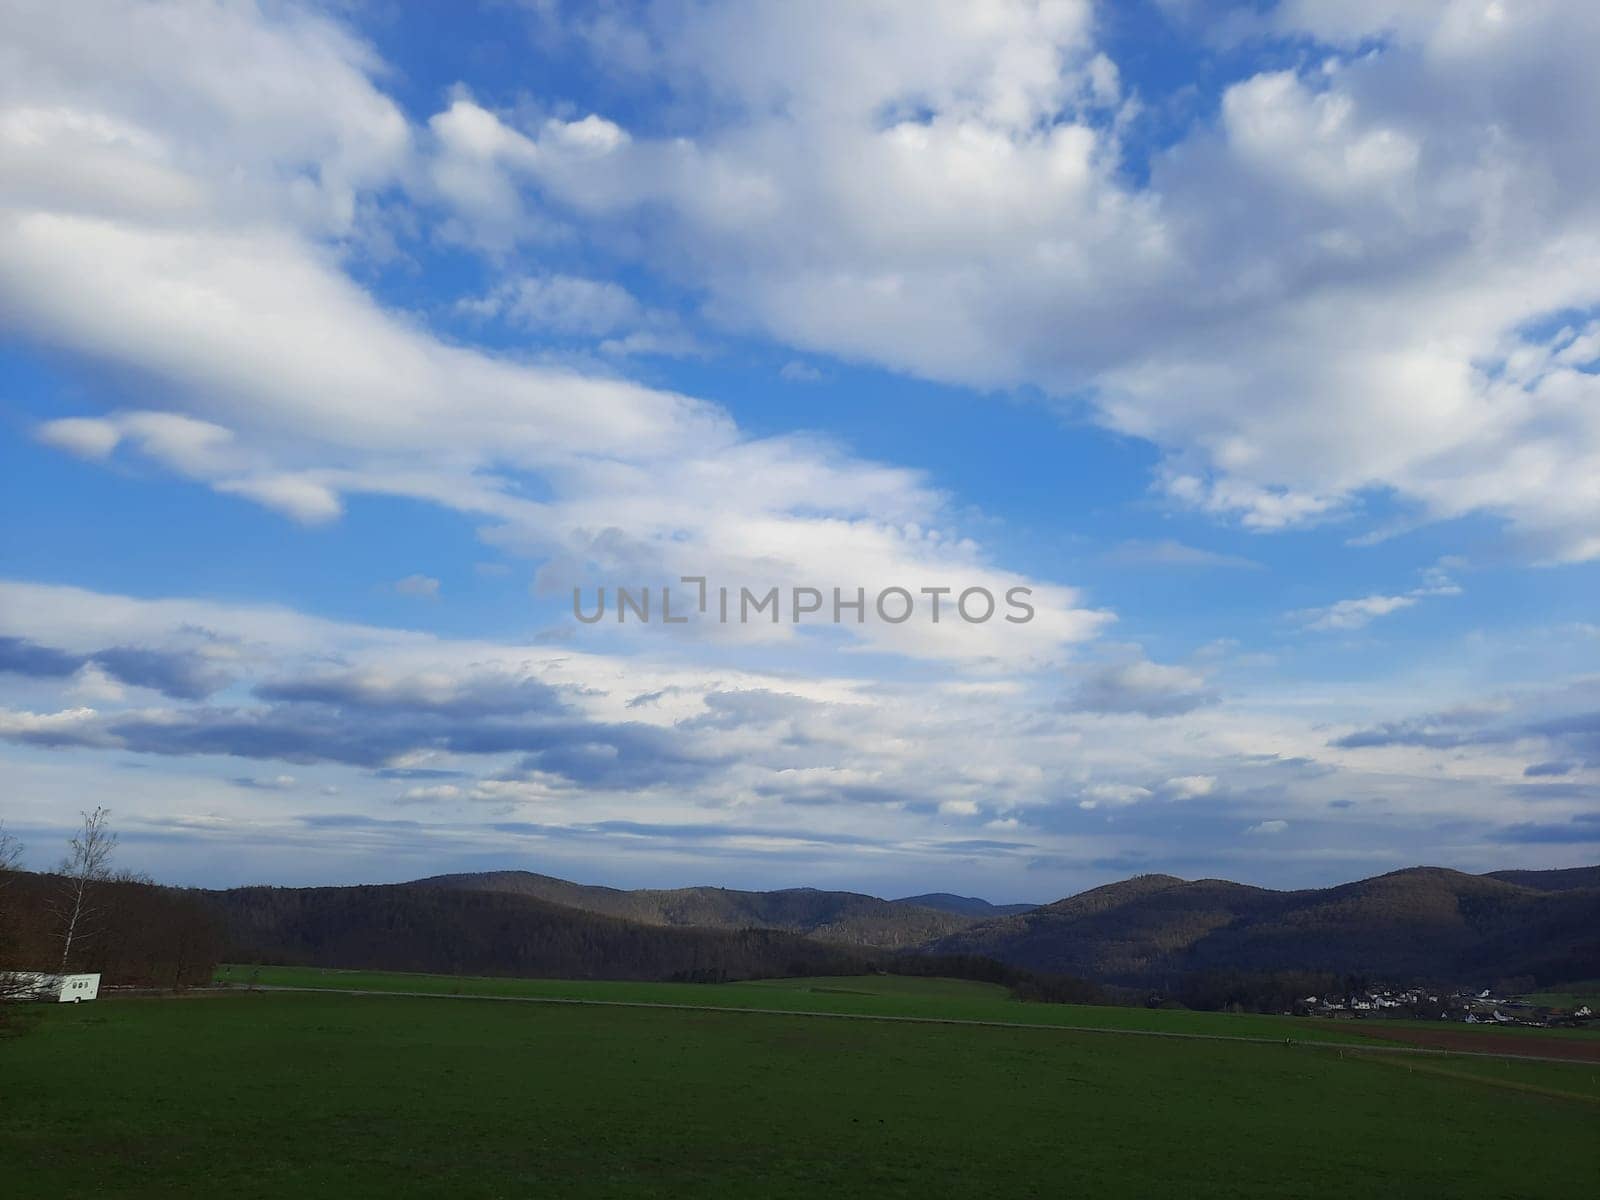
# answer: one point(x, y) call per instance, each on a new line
point(1257, 991)
point(451, 931)
point(132, 932)
point(399, 928)
point(1024, 984)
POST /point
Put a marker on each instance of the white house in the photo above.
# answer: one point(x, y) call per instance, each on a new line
point(68, 989)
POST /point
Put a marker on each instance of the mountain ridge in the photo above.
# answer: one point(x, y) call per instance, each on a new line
point(964, 906)
point(845, 918)
point(1558, 880)
point(1417, 922)
point(398, 927)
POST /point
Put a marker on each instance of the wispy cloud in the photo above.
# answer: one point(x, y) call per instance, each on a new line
point(1168, 553)
point(1347, 615)
point(423, 586)
point(1267, 828)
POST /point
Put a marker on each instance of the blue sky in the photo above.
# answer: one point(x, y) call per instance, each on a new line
point(1259, 341)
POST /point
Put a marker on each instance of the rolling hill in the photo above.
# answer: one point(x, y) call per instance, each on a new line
point(459, 931)
point(848, 918)
point(1415, 924)
point(1552, 881)
point(964, 906)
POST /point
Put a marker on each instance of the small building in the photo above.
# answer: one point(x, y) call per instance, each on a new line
point(65, 989)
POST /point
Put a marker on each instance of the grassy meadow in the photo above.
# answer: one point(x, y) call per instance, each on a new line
point(1569, 996)
point(268, 1094)
point(867, 995)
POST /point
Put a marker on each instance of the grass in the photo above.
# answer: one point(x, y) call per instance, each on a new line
point(1578, 1081)
point(883, 996)
point(1569, 996)
point(889, 985)
point(333, 1095)
point(866, 995)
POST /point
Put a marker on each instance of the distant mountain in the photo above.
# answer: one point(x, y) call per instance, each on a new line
point(1552, 881)
point(1417, 925)
point(847, 918)
point(445, 930)
point(1421, 923)
point(964, 906)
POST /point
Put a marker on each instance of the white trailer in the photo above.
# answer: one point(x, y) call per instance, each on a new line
point(66, 989)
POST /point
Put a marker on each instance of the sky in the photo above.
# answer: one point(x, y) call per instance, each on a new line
point(348, 351)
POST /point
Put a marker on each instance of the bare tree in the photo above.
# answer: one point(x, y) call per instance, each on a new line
point(87, 863)
point(10, 854)
point(11, 984)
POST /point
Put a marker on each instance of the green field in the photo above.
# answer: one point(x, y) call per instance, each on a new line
point(888, 985)
point(882, 996)
point(864, 995)
point(1568, 996)
point(304, 1094)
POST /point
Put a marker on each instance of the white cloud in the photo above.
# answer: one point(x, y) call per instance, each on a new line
point(431, 793)
point(1267, 828)
point(285, 383)
point(796, 371)
point(87, 437)
point(302, 498)
point(113, 102)
point(183, 444)
point(1189, 787)
point(1354, 614)
point(894, 765)
point(424, 586)
point(570, 306)
point(272, 783)
point(14, 723)
point(1313, 141)
point(94, 685)
point(1350, 277)
point(188, 446)
point(1344, 268)
point(1111, 795)
point(1170, 553)
point(1360, 612)
point(563, 304)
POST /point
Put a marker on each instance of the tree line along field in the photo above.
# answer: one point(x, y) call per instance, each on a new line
point(322, 1094)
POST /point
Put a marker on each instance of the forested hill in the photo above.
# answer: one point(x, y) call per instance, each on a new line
point(1551, 881)
point(1422, 924)
point(448, 930)
point(964, 906)
point(1418, 924)
point(848, 918)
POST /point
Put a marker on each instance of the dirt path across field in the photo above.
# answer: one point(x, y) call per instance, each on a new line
point(1484, 1042)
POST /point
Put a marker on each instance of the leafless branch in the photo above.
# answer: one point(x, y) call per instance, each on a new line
point(10, 853)
point(10, 861)
point(88, 861)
